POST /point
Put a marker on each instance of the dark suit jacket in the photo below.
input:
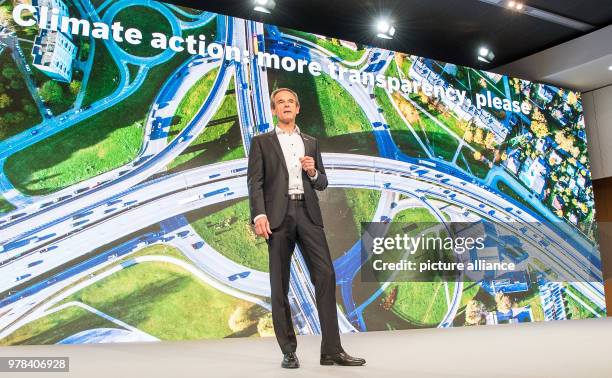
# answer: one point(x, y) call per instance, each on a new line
point(268, 179)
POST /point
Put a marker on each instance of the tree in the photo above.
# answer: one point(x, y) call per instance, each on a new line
point(6, 18)
point(572, 98)
point(14, 118)
point(475, 313)
point(503, 301)
point(239, 319)
point(17, 84)
point(538, 124)
point(489, 141)
point(51, 92)
point(84, 54)
point(467, 136)
point(3, 128)
point(478, 136)
point(565, 142)
point(265, 327)
point(9, 72)
point(30, 109)
point(75, 87)
point(5, 101)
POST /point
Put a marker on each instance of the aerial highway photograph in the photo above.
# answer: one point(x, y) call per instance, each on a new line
point(124, 212)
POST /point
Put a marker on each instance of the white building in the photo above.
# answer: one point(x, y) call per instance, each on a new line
point(349, 44)
point(53, 51)
point(50, 4)
point(534, 176)
point(552, 301)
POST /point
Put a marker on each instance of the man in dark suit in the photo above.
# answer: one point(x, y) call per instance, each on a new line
point(285, 169)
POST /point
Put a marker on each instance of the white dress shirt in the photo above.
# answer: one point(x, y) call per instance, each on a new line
point(293, 149)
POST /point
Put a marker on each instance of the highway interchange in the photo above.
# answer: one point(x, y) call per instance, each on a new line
point(48, 233)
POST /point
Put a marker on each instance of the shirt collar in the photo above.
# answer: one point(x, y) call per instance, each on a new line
point(280, 131)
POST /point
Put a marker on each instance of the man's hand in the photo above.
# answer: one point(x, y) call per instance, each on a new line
point(308, 164)
point(262, 227)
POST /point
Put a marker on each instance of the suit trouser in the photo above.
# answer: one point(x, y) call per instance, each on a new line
point(310, 238)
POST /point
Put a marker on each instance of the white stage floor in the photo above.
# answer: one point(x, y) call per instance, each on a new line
point(579, 348)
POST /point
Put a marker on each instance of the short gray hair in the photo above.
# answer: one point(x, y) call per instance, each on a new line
point(297, 100)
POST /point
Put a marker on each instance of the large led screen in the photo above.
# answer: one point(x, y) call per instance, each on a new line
point(125, 127)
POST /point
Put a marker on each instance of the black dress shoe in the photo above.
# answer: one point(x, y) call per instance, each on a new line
point(290, 361)
point(341, 359)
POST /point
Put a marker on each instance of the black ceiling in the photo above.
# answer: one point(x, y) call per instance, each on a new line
point(447, 30)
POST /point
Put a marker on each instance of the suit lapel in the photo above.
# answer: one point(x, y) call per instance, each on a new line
point(307, 146)
point(279, 151)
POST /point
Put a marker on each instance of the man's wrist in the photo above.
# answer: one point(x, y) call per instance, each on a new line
point(258, 216)
point(314, 175)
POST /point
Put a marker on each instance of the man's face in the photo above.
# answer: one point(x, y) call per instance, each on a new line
point(285, 107)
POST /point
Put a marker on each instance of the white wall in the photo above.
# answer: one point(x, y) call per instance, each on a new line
point(598, 118)
point(580, 64)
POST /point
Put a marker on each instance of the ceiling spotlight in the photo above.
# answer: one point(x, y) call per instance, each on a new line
point(485, 55)
point(264, 6)
point(515, 5)
point(610, 68)
point(385, 29)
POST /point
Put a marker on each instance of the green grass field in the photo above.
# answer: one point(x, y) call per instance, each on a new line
point(441, 142)
point(392, 70)
point(404, 139)
point(420, 303)
point(417, 214)
point(328, 113)
point(475, 167)
point(220, 141)
point(148, 21)
point(191, 103)
point(341, 114)
point(155, 249)
point(363, 204)
point(101, 143)
point(5, 206)
point(53, 328)
point(446, 118)
point(165, 301)
point(104, 76)
point(334, 46)
point(133, 70)
point(577, 310)
point(343, 210)
point(405, 66)
point(227, 229)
